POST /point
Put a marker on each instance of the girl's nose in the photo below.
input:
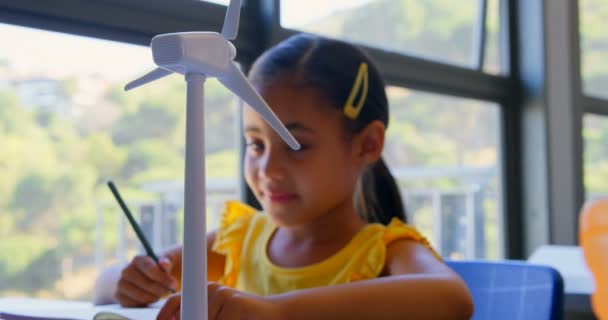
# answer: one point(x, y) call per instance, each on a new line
point(272, 166)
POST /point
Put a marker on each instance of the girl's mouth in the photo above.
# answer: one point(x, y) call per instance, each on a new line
point(280, 197)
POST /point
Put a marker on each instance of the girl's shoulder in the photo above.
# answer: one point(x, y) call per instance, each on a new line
point(408, 251)
point(370, 251)
point(397, 230)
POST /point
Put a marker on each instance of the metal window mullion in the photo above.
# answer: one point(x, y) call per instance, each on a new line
point(441, 78)
point(437, 225)
point(506, 36)
point(511, 219)
point(563, 90)
point(471, 228)
point(479, 38)
point(595, 105)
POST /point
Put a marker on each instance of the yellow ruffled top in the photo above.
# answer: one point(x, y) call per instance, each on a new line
point(243, 237)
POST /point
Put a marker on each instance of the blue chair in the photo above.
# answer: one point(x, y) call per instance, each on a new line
point(511, 290)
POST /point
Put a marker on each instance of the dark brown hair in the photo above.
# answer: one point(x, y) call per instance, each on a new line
point(331, 67)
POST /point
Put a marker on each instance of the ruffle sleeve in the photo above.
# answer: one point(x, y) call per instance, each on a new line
point(398, 230)
point(370, 259)
point(229, 238)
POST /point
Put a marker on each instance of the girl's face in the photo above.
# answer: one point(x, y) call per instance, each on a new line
point(297, 187)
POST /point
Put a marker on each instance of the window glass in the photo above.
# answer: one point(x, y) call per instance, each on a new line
point(594, 46)
point(595, 135)
point(441, 30)
point(492, 53)
point(443, 152)
point(67, 127)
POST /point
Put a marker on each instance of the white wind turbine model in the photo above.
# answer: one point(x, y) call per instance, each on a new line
point(199, 55)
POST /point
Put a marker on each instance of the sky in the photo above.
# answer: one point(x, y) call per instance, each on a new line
point(60, 55)
point(297, 12)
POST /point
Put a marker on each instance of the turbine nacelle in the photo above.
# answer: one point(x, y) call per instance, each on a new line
point(208, 53)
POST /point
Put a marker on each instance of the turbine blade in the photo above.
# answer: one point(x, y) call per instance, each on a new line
point(148, 77)
point(236, 81)
point(231, 22)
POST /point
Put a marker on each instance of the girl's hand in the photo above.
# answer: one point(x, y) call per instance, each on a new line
point(227, 304)
point(142, 282)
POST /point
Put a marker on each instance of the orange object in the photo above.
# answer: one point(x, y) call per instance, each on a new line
point(593, 226)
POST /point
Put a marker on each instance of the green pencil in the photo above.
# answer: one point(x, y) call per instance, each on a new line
point(136, 227)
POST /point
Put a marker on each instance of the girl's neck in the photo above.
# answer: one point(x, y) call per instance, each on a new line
point(338, 223)
point(315, 241)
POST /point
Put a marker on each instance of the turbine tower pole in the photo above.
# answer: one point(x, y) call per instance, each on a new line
point(194, 254)
point(190, 54)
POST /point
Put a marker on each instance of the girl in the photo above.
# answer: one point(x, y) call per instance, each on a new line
point(331, 243)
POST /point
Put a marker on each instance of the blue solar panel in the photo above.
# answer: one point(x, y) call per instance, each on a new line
point(511, 290)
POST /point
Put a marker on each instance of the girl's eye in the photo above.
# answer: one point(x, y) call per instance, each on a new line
point(255, 147)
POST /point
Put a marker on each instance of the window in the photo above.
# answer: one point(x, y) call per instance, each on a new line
point(442, 150)
point(595, 135)
point(440, 30)
point(66, 127)
point(594, 46)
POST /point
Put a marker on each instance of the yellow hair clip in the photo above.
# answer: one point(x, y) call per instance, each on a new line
point(350, 109)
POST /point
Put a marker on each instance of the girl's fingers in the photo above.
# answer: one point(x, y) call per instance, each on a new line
point(152, 271)
point(138, 279)
point(135, 293)
point(218, 297)
point(171, 309)
point(165, 263)
point(126, 301)
point(212, 290)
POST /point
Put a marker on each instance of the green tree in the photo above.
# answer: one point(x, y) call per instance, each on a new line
point(107, 158)
point(594, 46)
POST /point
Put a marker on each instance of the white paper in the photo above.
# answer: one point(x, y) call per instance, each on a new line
point(35, 309)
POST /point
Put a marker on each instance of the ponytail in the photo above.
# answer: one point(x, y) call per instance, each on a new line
point(378, 198)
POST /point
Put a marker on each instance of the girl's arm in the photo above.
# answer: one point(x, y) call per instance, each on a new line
point(416, 286)
point(141, 281)
point(215, 262)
